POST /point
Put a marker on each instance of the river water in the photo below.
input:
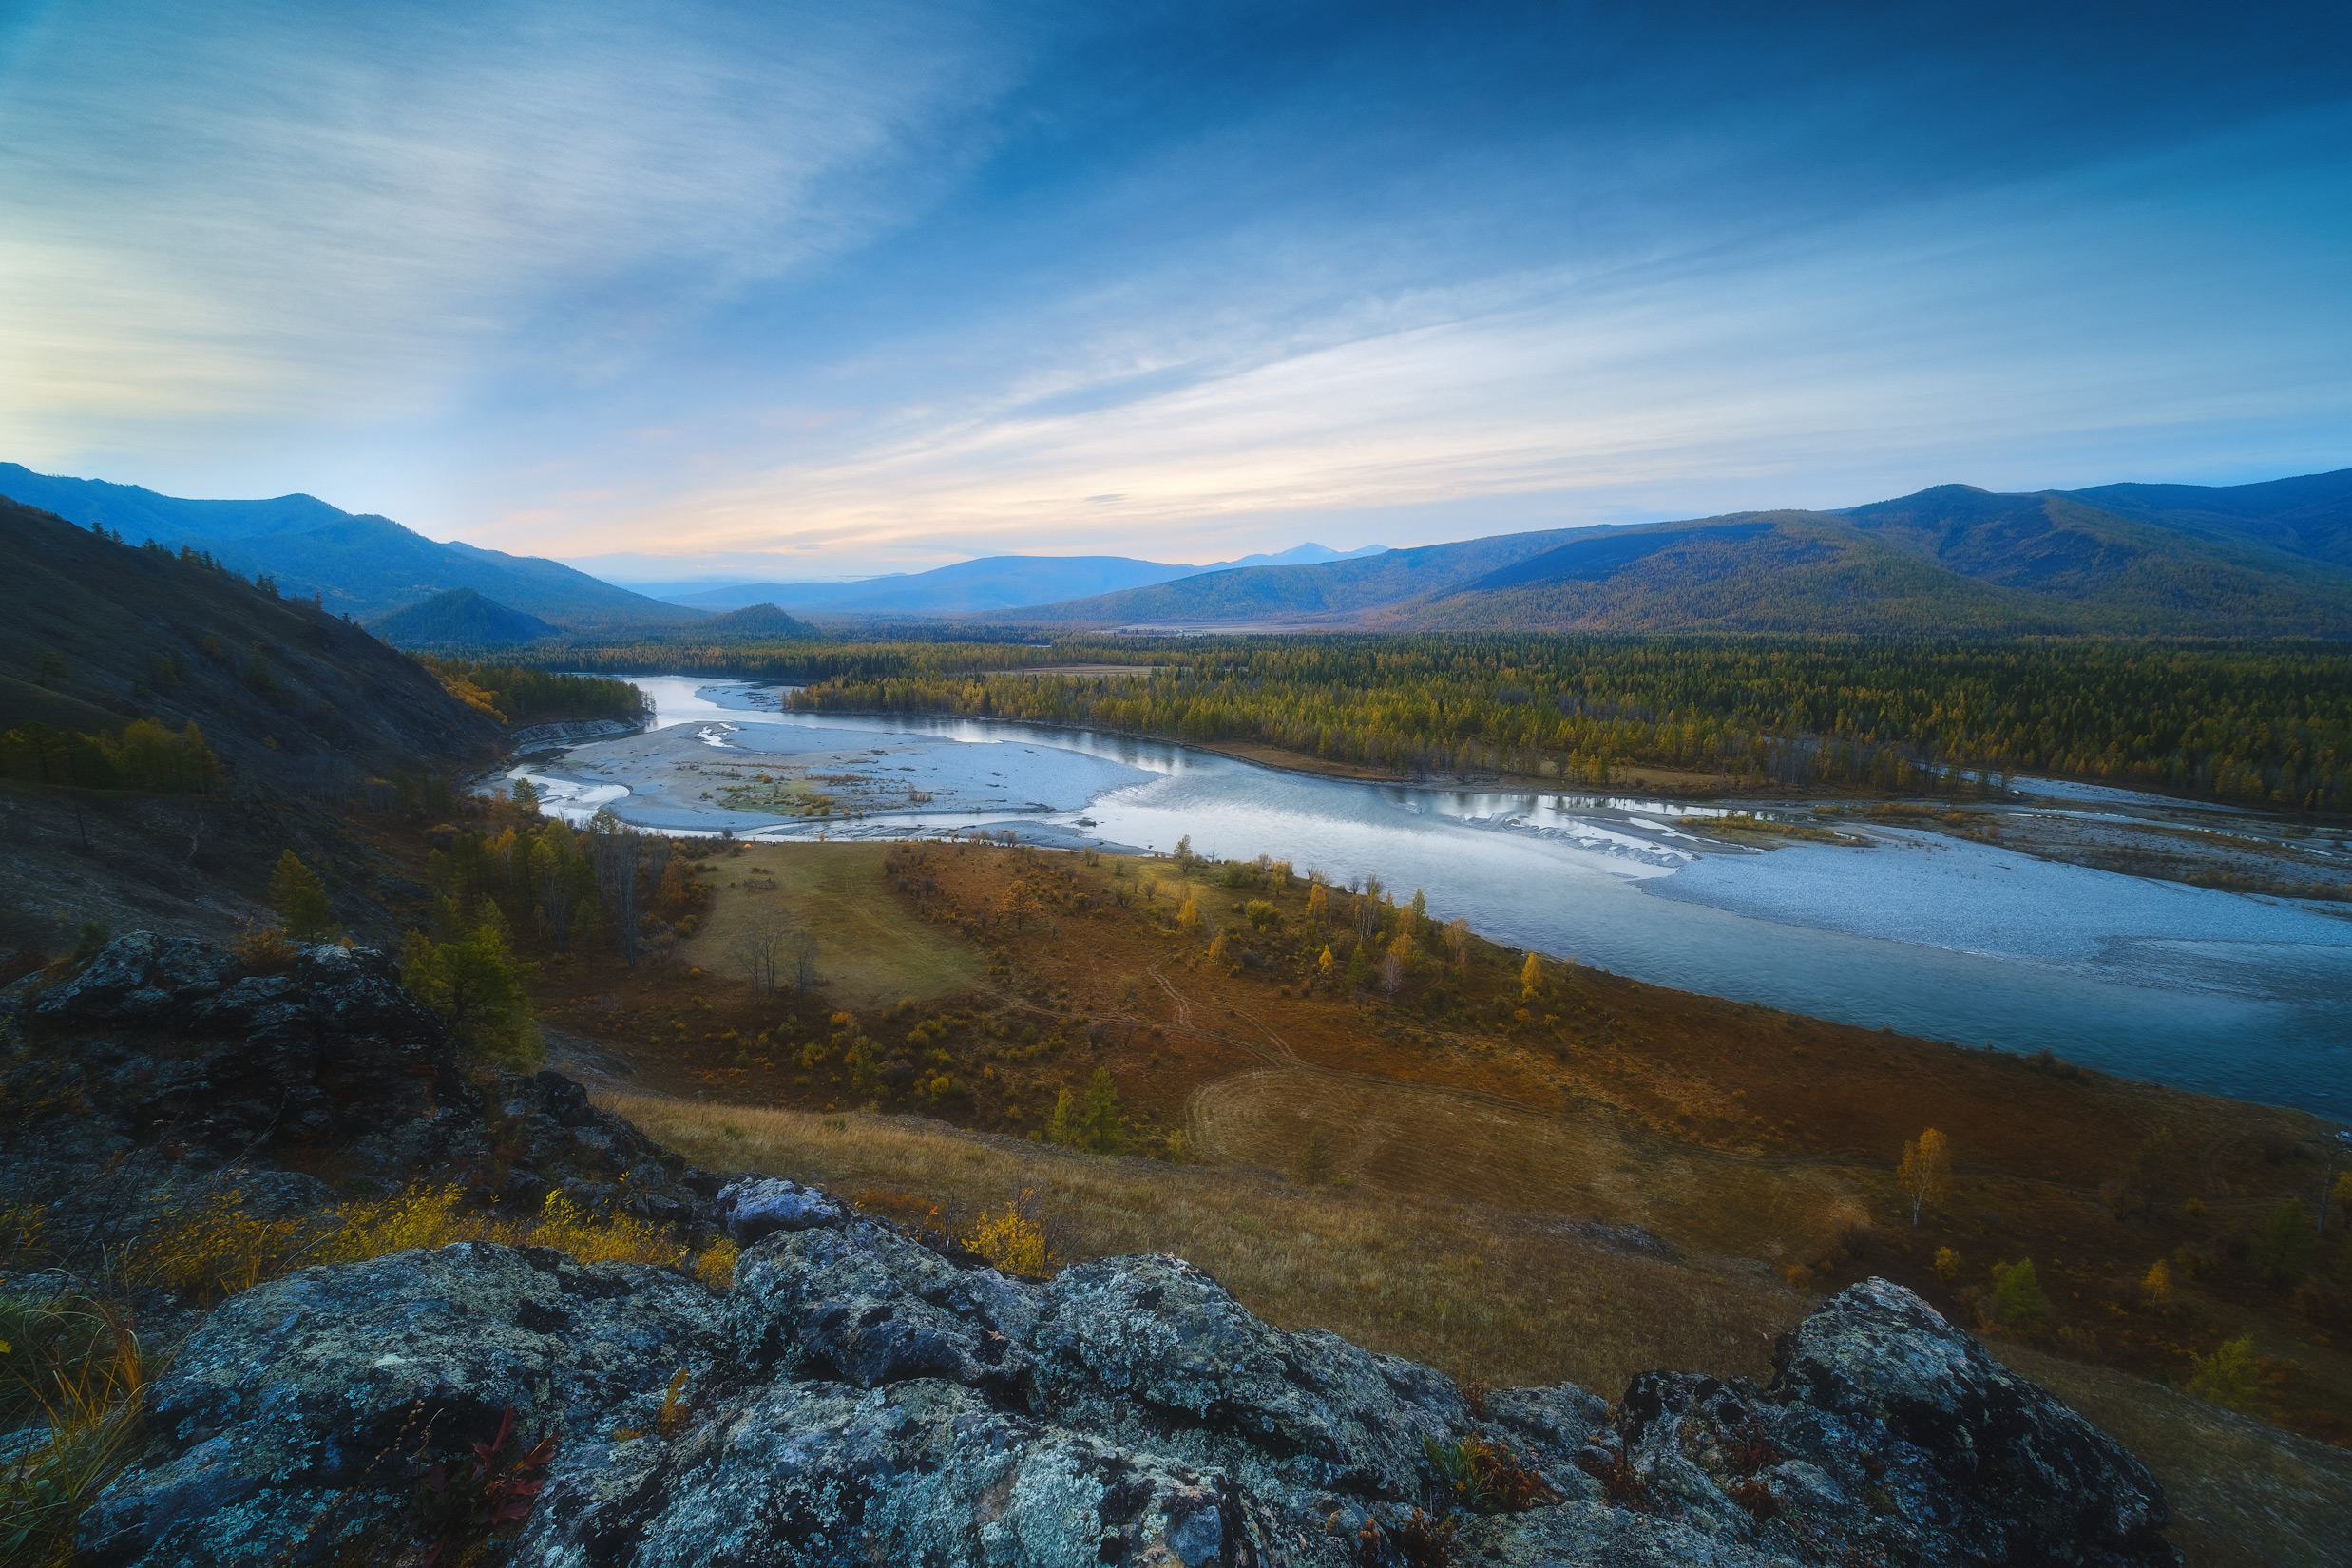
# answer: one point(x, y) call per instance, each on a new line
point(2215, 992)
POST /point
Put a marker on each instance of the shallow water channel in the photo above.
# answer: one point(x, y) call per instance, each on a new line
point(2223, 992)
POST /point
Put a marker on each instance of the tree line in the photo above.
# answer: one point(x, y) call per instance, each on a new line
point(2261, 725)
point(515, 694)
point(145, 756)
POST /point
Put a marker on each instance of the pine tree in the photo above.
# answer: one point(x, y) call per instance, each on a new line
point(1104, 1126)
point(476, 983)
point(301, 900)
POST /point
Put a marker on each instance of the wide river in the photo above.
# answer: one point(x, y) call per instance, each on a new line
point(2215, 992)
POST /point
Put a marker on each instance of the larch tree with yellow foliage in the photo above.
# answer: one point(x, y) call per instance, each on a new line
point(1530, 977)
point(1925, 1174)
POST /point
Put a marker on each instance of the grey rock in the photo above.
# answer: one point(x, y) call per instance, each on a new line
point(301, 1405)
point(861, 1304)
point(757, 1207)
point(1153, 1351)
point(920, 1472)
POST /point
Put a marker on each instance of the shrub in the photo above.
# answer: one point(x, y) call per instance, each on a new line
point(2018, 1301)
point(1013, 1241)
point(1486, 1477)
point(2156, 1285)
point(211, 1248)
point(1947, 1264)
point(2284, 1245)
point(715, 1267)
point(2232, 1376)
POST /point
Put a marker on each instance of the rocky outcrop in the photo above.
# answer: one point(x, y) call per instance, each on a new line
point(164, 1065)
point(293, 1418)
point(859, 1397)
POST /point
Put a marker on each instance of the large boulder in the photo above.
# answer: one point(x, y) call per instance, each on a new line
point(303, 1411)
point(758, 1207)
point(861, 1304)
point(917, 1472)
point(1154, 1352)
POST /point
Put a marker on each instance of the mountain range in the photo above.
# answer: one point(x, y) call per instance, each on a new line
point(2265, 560)
point(361, 566)
point(2273, 558)
point(976, 587)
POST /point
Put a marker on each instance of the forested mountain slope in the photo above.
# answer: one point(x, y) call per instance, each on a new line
point(2309, 515)
point(1334, 590)
point(2254, 561)
point(459, 619)
point(362, 565)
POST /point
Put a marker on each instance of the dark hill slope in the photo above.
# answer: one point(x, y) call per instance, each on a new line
point(2309, 515)
point(1336, 590)
point(2107, 572)
point(362, 565)
point(298, 705)
point(250, 668)
point(460, 619)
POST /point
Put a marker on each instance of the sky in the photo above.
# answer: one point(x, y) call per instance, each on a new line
point(784, 291)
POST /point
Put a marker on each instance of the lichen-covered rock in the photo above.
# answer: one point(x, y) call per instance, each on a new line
point(758, 1207)
point(861, 1303)
point(809, 1474)
point(1158, 1353)
point(1888, 1435)
point(301, 1405)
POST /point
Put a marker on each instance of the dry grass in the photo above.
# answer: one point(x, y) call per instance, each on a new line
point(78, 1370)
point(1477, 1291)
point(873, 953)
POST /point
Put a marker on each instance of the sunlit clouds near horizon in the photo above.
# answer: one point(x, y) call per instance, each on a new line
point(804, 291)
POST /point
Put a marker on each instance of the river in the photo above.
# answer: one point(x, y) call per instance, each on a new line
point(1928, 935)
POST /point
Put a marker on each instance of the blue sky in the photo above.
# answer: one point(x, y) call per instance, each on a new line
point(811, 290)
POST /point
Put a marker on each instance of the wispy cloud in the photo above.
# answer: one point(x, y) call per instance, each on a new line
point(219, 216)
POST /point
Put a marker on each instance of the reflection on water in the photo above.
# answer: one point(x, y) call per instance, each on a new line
point(1928, 934)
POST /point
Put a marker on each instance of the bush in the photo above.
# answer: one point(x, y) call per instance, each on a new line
point(2232, 1376)
point(2018, 1301)
point(2284, 1245)
point(1014, 1240)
